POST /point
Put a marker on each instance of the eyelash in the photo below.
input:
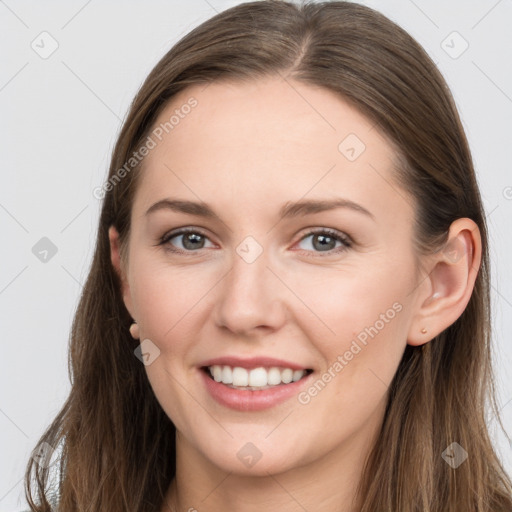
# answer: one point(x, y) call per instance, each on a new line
point(344, 239)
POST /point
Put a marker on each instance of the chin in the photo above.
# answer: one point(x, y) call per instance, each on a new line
point(258, 458)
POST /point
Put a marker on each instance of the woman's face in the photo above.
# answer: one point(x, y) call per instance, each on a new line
point(298, 257)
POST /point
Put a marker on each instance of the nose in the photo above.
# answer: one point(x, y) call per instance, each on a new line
point(251, 298)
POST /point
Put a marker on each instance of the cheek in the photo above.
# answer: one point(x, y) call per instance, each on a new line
point(350, 392)
point(353, 304)
point(168, 302)
point(165, 298)
point(361, 334)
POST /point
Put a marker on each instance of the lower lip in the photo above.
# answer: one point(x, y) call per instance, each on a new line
point(246, 400)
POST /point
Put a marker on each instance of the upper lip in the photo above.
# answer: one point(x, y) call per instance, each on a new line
point(252, 362)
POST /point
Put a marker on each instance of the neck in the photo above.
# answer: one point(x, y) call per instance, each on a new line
point(327, 484)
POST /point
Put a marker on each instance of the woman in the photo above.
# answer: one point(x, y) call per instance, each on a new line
point(288, 305)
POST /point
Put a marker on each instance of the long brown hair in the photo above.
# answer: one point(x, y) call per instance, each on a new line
point(117, 450)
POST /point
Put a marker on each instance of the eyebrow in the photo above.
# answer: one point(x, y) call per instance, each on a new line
point(289, 210)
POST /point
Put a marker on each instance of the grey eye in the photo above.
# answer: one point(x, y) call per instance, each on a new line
point(190, 240)
point(320, 242)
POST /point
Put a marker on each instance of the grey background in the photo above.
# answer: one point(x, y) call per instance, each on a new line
point(60, 117)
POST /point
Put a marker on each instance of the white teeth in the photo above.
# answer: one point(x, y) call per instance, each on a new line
point(217, 373)
point(274, 377)
point(240, 376)
point(227, 375)
point(256, 378)
point(287, 376)
point(297, 375)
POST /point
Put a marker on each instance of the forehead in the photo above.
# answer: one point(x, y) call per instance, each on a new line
point(270, 138)
point(271, 113)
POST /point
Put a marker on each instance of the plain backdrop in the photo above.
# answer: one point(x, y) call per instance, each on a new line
point(69, 70)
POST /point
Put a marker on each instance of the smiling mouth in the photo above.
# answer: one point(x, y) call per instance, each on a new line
point(255, 379)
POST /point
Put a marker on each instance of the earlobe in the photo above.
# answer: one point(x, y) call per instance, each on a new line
point(449, 284)
point(115, 258)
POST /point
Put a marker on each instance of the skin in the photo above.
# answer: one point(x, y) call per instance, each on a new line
point(247, 150)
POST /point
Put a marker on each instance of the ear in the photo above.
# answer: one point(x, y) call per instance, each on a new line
point(118, 264)
point(446, 291)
